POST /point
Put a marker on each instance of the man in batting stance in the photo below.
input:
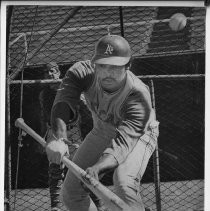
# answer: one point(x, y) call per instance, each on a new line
point(125, 131)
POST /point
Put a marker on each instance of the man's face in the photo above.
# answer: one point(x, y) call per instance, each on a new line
point(111, 77)
point(52, 73)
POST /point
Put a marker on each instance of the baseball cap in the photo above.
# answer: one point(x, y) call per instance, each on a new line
point(113, 50)
point(52, 65)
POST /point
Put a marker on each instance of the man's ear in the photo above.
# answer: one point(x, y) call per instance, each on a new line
point(128, 65)
point(93, 64)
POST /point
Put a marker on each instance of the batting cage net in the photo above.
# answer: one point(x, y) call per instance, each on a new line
point(171, 61)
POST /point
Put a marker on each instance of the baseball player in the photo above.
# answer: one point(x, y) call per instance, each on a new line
point(125, 130)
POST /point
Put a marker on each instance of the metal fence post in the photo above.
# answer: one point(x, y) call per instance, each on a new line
point(156, 166)
point(7, 184)
point(7, 152)
point(121, 22)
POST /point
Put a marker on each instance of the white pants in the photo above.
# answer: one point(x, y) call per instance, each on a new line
point(126, 178)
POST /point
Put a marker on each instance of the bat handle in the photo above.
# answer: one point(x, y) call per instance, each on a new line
point(21, 124)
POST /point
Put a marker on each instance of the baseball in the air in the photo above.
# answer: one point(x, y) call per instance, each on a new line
point(177, 22)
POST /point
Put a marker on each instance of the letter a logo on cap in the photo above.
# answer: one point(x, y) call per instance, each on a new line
point(109, 49)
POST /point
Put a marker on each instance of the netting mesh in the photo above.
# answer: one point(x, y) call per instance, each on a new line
point(175, 61)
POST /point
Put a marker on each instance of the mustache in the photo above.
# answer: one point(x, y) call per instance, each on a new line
point(108, 78)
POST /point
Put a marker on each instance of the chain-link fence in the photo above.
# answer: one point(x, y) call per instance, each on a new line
point(172, 63)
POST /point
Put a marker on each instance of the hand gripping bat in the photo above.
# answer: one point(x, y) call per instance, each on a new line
point(112, 201)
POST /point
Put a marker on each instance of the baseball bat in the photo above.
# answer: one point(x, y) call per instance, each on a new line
point(111, 200)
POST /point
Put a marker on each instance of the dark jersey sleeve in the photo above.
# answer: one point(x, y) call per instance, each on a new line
point(46, 99)
point(77, 79)
point(136, 115)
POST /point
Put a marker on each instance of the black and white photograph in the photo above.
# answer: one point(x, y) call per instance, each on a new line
point(104, 105)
